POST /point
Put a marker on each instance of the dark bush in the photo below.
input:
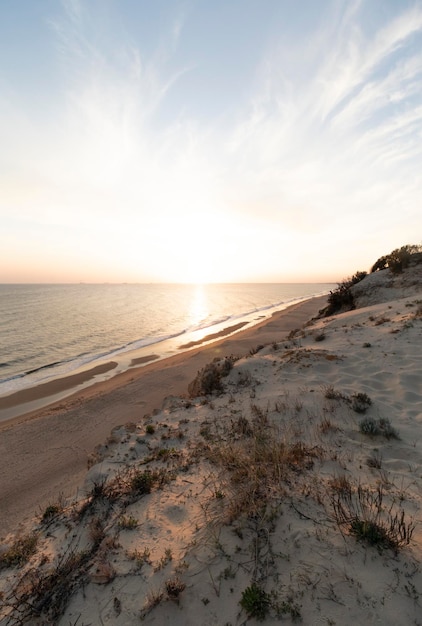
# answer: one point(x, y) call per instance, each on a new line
point(397, 260)
point(209, 378)
point(342, 297)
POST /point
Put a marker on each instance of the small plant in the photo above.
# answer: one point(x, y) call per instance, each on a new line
point(341, 485)
point(260, 416)
point(20, 551)
point(228, 573)
point(382, 426)
point(332, 394)
point(326, 425)
point(174, 587)
point(164, 454)
point(52, 511)
point(153, 599)
point(374, 461)
point(165, 559)
point(98, 490)
point(127, 522)
point(360, 402)
point(150, 429)
point(288, 608)
point(366, 345)
point(369, 426)
point(142, 481)
point(242, 427)
point(256, 602)
point(141, 557)
point(364, 515)
point(319, 336)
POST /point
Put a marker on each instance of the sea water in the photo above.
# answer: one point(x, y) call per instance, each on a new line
point(48, 331)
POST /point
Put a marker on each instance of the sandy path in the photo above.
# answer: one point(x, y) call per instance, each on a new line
point(45, 453)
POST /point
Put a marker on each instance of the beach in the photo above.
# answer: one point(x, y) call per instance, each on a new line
point(45, 453)
point(283, 485)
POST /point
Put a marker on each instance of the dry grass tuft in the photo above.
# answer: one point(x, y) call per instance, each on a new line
point(41, 595)
point(174, 587)
point(363, 513)
point(326, 426)
point(256, 463)
point(19, 552)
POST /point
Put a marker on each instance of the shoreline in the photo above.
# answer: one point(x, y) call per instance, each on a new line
point(45, 452)
point(53, 387)
point(17, 404)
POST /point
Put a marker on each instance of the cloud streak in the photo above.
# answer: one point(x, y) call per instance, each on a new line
point(325, 153)
point(356, 123)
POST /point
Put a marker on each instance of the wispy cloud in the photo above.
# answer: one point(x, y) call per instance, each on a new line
point(346, 141)
point(325, 154)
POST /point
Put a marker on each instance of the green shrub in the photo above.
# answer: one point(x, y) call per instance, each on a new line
point(142, 482)
point(256, 602)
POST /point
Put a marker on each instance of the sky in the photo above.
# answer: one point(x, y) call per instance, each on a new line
point(208, 141)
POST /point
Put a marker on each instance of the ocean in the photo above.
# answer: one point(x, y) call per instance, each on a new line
point(49, 331)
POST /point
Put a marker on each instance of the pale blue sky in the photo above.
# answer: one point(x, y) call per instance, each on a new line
point(241, 140)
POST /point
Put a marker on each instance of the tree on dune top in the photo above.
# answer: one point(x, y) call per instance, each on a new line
point(398, 259)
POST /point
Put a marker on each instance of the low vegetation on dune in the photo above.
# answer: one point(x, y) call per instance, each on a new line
point(342, 299)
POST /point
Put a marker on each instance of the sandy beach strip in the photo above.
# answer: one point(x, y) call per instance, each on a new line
point(53, 387)
point(45, 452)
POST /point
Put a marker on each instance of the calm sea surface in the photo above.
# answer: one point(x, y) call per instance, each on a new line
point(52, 330)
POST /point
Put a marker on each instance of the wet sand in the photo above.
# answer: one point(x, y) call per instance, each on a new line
point(222, 333)
point(54, 387)
point(44, 453)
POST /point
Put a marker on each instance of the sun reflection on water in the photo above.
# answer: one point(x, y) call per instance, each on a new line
point(199, 308)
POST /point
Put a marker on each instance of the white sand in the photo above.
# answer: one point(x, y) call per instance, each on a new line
point(230, 515)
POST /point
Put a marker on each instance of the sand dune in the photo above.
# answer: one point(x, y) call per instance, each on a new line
point(294, 493)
